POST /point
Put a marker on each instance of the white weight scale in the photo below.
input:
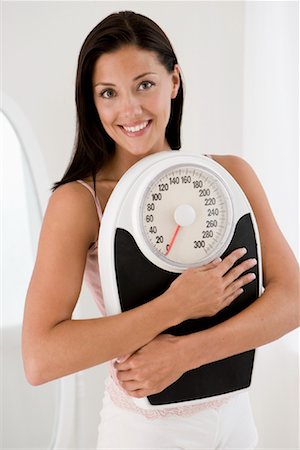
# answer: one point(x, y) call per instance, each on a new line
point(171, 211)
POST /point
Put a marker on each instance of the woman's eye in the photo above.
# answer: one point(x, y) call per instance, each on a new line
point(145, 85)
point(107, 93)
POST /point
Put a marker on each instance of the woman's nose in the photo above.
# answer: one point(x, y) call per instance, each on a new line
point(131, 106)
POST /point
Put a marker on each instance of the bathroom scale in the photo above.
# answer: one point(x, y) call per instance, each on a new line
point(171, 211)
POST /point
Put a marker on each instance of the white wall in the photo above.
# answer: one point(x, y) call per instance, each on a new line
point(271, 105)
point(270, 144)
point(238, 61)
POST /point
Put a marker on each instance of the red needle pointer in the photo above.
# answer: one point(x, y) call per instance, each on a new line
point(172, 241)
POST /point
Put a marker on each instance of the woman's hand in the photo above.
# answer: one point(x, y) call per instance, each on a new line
point(204, 291)
point(152, 368)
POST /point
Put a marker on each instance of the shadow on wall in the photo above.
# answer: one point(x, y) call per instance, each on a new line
point(275, 393)
point(29, 412)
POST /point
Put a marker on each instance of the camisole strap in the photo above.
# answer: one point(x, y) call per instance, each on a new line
point(97, 203)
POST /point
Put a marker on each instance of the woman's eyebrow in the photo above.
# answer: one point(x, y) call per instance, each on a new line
point(144, 74)
point(104, 84)
point(134, 79)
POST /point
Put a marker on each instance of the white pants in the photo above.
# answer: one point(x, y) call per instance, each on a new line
point(230, 426)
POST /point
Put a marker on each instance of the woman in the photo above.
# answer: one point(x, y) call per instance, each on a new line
point(129, 97)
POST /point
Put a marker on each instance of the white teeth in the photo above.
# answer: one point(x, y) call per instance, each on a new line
point(139, 127)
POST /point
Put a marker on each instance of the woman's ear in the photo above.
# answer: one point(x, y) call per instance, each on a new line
point(175, 81)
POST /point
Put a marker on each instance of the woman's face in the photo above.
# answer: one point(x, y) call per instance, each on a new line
point(132, 94)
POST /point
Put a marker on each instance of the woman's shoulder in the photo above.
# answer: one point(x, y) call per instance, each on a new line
point(72, 194)
point(240, 170)
point(231, 163)
point(73, 204)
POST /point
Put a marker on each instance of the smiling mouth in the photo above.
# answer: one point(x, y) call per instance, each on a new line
point(135, 130)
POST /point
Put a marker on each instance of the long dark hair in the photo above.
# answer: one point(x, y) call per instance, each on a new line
point(93, 147)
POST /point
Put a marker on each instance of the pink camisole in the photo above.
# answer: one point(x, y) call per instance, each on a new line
point(117, 394)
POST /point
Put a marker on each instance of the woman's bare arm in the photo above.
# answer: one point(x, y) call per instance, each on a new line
point(54, 345)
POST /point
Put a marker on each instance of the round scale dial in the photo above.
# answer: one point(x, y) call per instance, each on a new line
point(186, 216)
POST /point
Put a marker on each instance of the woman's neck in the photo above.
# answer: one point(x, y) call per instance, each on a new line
point(121, 162)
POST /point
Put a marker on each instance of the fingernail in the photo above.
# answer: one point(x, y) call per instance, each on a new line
point(121, 359)
point(252, 276)
point(243, 251)
point(217, 260)
point(254, 261)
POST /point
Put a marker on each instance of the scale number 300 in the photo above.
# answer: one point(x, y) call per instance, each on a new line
point(199, 244)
